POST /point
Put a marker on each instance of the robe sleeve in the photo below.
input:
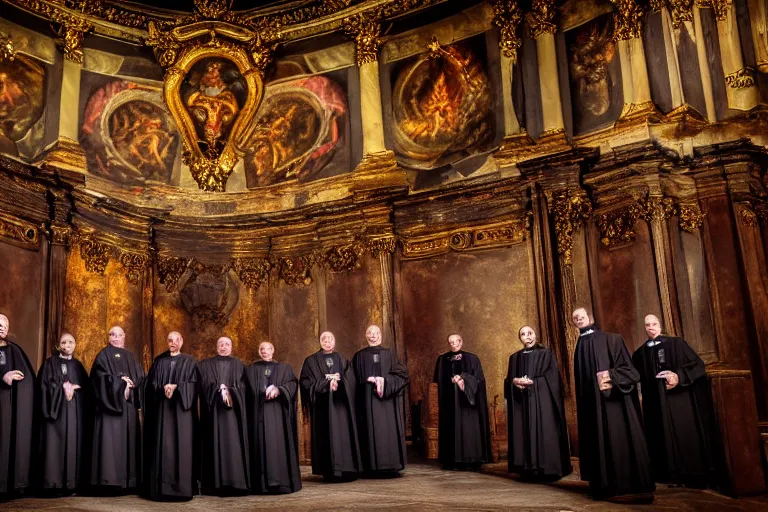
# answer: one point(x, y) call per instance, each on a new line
point(52, 392)
point(311, 384)
point(624, 376)
point(473, 380)
point(288, 387)
point(436, 377)
point(508, 381)
point(396, 379)
point(187, 389)
point(691, 368)
point(109, 389)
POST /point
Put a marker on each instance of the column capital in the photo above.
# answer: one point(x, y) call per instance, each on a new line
point(507, 15)
point(366, 31)
point(627, 20)
point(541, 18)
point(71, 34)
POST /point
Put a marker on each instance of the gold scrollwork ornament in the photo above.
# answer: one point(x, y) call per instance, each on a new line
point(507, 15)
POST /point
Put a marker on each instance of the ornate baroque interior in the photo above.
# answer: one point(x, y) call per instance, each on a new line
point(272, 170)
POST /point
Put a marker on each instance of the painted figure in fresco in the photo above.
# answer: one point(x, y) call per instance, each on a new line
point(538, 434)
point(272, 392)
point(380, 423)
point(170, 424)
point(214, 92)
point(464, 436)
point(221, 382)
point(680, 423)
point(591, 56)
point(612, 452)
point(140, 133)
point(328, 394)
point(66, 401)
point(21, 100)
point(17, 403)
point(116, 376)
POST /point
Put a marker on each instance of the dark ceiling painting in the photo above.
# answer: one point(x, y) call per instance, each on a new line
point(128, 135)
point(442, 106)
point(22, 103)
point(301, 130)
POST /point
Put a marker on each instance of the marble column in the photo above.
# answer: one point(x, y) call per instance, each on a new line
point(740, 80)
point(58, 239)
point(542, 29)
point(634, 71)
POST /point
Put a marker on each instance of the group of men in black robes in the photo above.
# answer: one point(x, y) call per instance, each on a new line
point(355, 409)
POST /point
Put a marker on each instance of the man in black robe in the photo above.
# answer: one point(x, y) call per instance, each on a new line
point(679, 416)
point(224, 422)
point(170, 424)
point(116, 376)
point(538, 434)
point(328, 394)
point(613, 456)
point(464, 438)
point(379, 406)
point(272, 391)
point(66, 397)
point(17, 402)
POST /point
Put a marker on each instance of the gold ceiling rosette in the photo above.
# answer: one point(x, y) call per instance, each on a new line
point(213, 86)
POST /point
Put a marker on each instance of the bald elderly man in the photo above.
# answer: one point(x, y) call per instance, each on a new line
point(116, 376)
point(272, 390)
point(680, 423)
point(328, 396)
point(17, 402)
point(221, 383)
point(170, 425)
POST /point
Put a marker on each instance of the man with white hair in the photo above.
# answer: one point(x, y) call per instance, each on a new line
point(17, 402)
point(328, 396)
point(221, 384)
point(680, 423)
point(170, 424)
point(272, 392)
point(116, 376)
point(613, 456)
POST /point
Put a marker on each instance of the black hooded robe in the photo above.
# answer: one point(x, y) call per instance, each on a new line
point(17, 421)
point(680, 423)
point(464, 438)
point(274, 441)
point(170, 428)
point(538, 434)
point(335, 449)
point(224, 430)
point(380, 422)
point(65, 426)
point(613, 455)
point(116, 455)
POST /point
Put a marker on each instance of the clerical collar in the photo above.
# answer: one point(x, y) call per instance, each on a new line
point(527, 351)
point(654, 342)
point(586, 330)
point(64, 357)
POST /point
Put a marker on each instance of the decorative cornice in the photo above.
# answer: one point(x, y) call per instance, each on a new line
point(507, 15)
point(59, 233)
point(365, 29)
point(741, 79)
point(170, 270)
point(94, 253)
point(627, 20)
point(570, 210)
point(19, 232)
point(541, 18)
point(135, 264)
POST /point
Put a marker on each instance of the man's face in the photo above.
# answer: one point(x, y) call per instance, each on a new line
point(266, 351)
point(373, 335)
point(327, 341)
point(117, 337)
point(455, 341)
point(4, 326)
point(580, 318)
point(67, 345)
point(527, 336)
point(175, 341)
point(652, 326)
point(224, 347)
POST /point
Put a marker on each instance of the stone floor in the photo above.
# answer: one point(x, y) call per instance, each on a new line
point(422, 487)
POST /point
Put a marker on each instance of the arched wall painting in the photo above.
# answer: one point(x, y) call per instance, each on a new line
point(128, 135)
point(442, 106)
point(302, 132)
point(595, 75)
point(22, 104)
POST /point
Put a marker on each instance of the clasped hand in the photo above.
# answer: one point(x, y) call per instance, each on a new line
point(378, 382)
point(69, 390)
point(522, 382)
point(225, 396)
point(129, 385)
point(271, 392)
point(169, 389)
point(334, 378)
point(458, 381)
point(12, 375)
point(671, 378)
point(604, 380)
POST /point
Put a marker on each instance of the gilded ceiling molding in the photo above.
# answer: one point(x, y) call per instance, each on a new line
point(627, 20)
point(135, 264)
point(7, 51)
point(741, 79)
point(97, 253)
point(59, 233)
point(471, 238)
point(365, 29)
point(294, 270)
point(570, 209)
point(170, 270)
point(94, 253)
point(617, 226)
point(19, 232)
point(71, 34)
point(252, 272)
point(541, 18)
point(507, 15)
point(690, 216)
